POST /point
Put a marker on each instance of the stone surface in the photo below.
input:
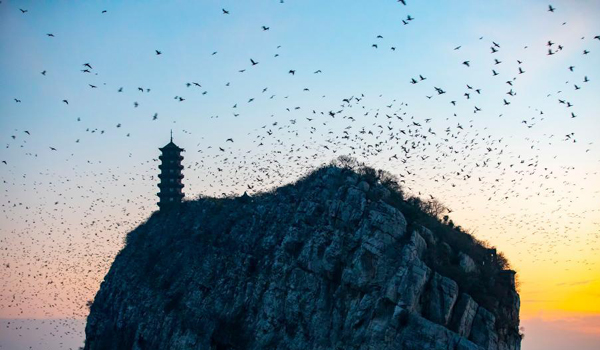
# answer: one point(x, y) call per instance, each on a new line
point(466, 263)
point(317, 265)
point(464, 314)
point(483, 331)
point(441, 296)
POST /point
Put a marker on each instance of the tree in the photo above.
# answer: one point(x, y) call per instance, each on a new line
point(434, 208)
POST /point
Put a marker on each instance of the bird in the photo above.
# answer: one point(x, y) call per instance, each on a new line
point(264, 28)
point(104, 11)
point(66, 102)
point(550, 8)
point(158, 52)
point(23, 11)
point(50, 35)
point(254, 63)
point(17, 100)
point(88, 65)
point(225, 12)
point(52, 149)
point(466, 63)
point(229, 140)
point(292, 72)
point(44, 72)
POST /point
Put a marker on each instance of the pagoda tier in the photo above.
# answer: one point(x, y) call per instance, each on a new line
point(170, 176)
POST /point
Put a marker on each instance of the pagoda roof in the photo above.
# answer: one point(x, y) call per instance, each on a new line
point(171, 146)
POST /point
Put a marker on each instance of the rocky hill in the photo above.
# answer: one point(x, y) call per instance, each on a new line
point(338, 260)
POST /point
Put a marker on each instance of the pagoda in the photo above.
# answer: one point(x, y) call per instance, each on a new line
point(170, 176)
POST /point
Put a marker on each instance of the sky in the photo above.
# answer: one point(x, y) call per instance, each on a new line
point(80, 174)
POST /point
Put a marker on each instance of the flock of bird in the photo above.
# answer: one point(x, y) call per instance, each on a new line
point(453, 157)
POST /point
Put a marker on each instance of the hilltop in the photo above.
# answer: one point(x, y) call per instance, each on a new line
point(340, 259)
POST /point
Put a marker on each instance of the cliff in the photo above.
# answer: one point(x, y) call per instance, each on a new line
point(338, 260)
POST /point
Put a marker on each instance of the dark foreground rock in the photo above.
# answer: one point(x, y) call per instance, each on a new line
point(327, 263)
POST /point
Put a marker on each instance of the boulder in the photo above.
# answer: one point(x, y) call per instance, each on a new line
point(463, 315)
point(441, 296)
point(466, 263)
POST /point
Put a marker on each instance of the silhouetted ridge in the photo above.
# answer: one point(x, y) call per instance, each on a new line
point(337, 260)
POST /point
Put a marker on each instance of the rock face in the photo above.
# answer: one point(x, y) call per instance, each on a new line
point(327, 263)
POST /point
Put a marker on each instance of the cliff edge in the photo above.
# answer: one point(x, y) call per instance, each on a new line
point(338, 260)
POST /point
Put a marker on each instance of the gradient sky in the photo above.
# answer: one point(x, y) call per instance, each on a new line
point(65, 213)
